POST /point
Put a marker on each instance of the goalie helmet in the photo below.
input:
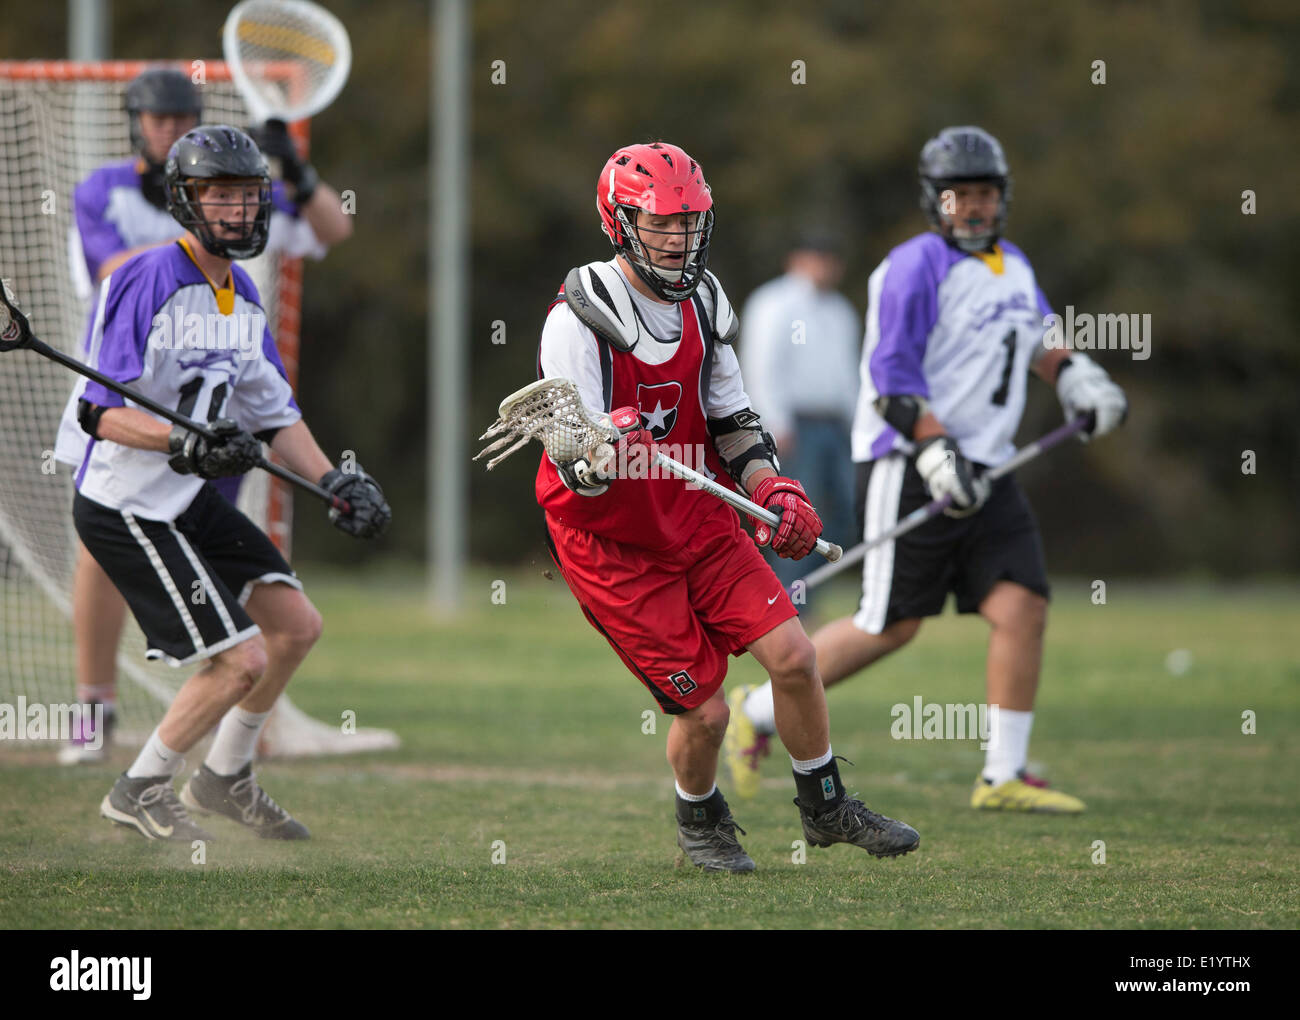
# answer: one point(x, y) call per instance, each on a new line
point(660, 180)
point(211, 154)
point(958, 154)
point(160, 91)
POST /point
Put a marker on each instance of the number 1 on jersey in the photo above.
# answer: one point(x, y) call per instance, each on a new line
point(190, 397)
point(1004, 387)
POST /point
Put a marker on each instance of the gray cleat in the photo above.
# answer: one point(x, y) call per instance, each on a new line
point(851, 821)
point(711, 844)
point(240, 798)
point(149, 806)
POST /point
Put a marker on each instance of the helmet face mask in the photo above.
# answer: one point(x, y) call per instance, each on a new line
point(657, 212)
point(226, 159)
point(226, 223)
point(955, 226)
point(652, 250)
point(963, 155)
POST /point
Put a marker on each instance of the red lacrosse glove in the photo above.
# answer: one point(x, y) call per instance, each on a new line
point(591, 474)
point(628, 422)
point(800, 527)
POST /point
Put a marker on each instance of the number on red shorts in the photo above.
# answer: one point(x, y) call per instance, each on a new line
point(683, 682)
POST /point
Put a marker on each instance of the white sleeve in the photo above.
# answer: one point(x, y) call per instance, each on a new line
point(763, 331)
point(293, 238)
point(82, 285)
point(262, 397)
point(569, 351)
point(726, 388)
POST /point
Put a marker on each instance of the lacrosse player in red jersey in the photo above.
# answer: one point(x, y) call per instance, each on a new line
point(663, 570)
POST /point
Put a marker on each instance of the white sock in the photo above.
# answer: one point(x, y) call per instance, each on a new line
point(236, 741)
point(807, 768)
point(762, 713)
point(1008, 748)
point(156, 759)
point(694, 798)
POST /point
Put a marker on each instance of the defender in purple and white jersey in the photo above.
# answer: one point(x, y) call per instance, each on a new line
point(183, 324)
point(955, 325)
point(121, 211)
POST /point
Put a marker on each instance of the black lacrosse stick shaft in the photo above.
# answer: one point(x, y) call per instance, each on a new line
point(30, 341)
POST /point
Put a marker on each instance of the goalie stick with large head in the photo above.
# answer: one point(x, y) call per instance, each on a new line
point(16, 333)
point(551, 410)
point(264, 35)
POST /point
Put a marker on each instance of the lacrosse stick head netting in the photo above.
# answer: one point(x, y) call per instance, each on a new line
point(262, 39)
point(550, 410)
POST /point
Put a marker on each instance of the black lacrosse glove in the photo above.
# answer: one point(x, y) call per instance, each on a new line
point(273, 139)
point(232, 452)
point(371, 513)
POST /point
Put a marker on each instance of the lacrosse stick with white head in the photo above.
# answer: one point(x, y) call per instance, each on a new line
point(552, 411)
point(263, 38)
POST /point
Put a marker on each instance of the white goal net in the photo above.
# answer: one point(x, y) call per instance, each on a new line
point(58, 122)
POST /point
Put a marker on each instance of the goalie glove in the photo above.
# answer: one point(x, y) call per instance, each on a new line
point(232, 452)
point(800, 527)
point(1084, 388)
point(591, 475)
point(273, 139)
point(947, 473)
point(371, 513)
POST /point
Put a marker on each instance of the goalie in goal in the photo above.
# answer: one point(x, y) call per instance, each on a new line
point(120, 212)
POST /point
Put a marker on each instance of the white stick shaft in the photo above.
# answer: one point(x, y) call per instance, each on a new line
point(828, 549)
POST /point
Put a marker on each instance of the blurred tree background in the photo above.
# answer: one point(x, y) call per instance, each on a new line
point(1128, 198)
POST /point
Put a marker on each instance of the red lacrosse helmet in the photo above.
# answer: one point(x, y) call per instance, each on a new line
point(661, 180)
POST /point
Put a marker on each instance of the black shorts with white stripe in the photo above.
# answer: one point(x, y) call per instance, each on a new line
point(187, 580)
point(911, 576)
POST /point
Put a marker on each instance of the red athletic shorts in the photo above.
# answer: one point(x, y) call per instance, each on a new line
point(675, 616)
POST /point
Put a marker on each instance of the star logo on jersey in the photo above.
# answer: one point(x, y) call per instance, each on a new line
point(658, 406)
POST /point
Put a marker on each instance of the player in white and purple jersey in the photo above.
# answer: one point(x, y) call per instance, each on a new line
point(184, 325)
point(954, 326)
point(120, 211)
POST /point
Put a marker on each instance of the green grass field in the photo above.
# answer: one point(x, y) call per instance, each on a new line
point(520, 725)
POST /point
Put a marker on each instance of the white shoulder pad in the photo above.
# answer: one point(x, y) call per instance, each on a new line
point(598, 296)
point(726, 325)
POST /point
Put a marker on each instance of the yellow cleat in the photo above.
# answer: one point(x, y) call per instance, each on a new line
point(744, 746)
point(1024, 793)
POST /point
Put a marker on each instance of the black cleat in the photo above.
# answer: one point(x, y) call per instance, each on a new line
point(851, 821)
point(240, 798)
point(710, 842)
point(149, 806)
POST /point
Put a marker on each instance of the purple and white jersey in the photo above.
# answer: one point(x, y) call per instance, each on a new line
point(112, 215)
point(960, 330)
point(158, 328)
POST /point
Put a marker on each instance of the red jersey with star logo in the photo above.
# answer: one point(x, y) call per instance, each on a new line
point(654, 510)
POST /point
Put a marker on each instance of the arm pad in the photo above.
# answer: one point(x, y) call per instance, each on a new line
point(902, 412)
point(743, 445)
point(88, 416)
